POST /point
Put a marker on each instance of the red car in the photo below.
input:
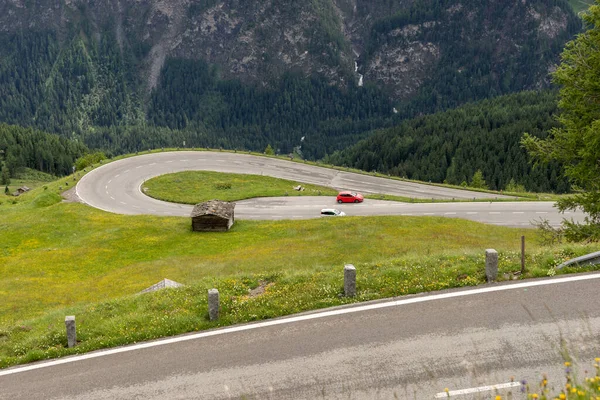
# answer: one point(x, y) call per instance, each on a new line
point(349, 197)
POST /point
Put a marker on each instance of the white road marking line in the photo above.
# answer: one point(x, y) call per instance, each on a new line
point(152, 210)
point(479, 389)
point(112, 198)
point(123, 203)
point(170, 161)
point(152, 163)
point(139, 166)
point(472, 213)
point(220, 160)
point(406, 214)
point(518, 212)
point(126, 171)
point(428, 213)
point(541, 212)
point(109, 181)
point(289, 320)
point(117, 175)
point(450, 213)
point(106, 188)
point(494, 212)
point(184, 160)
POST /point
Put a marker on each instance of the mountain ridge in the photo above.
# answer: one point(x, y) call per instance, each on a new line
point(88, 69)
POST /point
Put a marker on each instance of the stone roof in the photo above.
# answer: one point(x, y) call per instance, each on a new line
point(214, 207)
point(165, 283)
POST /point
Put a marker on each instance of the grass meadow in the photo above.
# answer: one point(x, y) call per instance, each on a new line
point(59, 258)
point(207, 185)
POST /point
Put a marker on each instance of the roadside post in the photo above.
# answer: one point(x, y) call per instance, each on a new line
point(349, 280)
point(71, 330)
point(213, 304)
point(491, 265)
point(522, 255)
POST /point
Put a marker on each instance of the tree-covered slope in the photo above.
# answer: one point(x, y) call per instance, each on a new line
point(451, 146)
point(30, 148)
point(248, 74)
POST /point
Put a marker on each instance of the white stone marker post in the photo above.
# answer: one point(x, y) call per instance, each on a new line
point(213, 304)
point(349, 280)
point(71, 331)
point(491, 265)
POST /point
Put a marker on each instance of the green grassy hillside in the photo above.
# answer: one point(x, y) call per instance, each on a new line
point(59, 258)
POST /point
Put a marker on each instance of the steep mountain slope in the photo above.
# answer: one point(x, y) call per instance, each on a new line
point(73, 66)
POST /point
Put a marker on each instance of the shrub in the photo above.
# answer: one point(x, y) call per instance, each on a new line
point(89, 159)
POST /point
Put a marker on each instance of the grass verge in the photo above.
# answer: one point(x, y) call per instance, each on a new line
point(192, 187)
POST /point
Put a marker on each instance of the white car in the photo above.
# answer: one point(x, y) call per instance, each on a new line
point(333, 212)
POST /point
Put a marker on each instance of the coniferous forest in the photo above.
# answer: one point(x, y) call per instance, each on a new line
point(30, 148)
point(452, 146)
point(82, 83)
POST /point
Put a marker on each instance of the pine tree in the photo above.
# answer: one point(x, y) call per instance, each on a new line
point(477, 181)
point(5, 175)
point(576, 143)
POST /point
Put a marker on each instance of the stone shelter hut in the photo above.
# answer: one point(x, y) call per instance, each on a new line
point(213, 216)
point(21, 190)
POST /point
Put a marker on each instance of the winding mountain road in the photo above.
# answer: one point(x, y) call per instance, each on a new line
point(116, 187)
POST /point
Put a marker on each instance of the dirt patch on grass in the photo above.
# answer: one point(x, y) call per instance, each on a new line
point(70, 196)
point(260, 289)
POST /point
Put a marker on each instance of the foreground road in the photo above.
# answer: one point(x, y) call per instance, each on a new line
point(115, 187)
point(412, 348)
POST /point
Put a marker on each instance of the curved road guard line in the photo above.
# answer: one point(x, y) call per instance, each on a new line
point(289, 320)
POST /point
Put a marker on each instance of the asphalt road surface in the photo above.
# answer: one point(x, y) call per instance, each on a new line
point(411, 348)
point(116, 187)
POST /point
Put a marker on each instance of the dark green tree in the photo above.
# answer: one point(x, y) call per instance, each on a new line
point(576, 142)
point(269, 150)
point(5, 175)
point(477, 181)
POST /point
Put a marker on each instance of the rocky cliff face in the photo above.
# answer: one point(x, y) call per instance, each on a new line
point(397, 45)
